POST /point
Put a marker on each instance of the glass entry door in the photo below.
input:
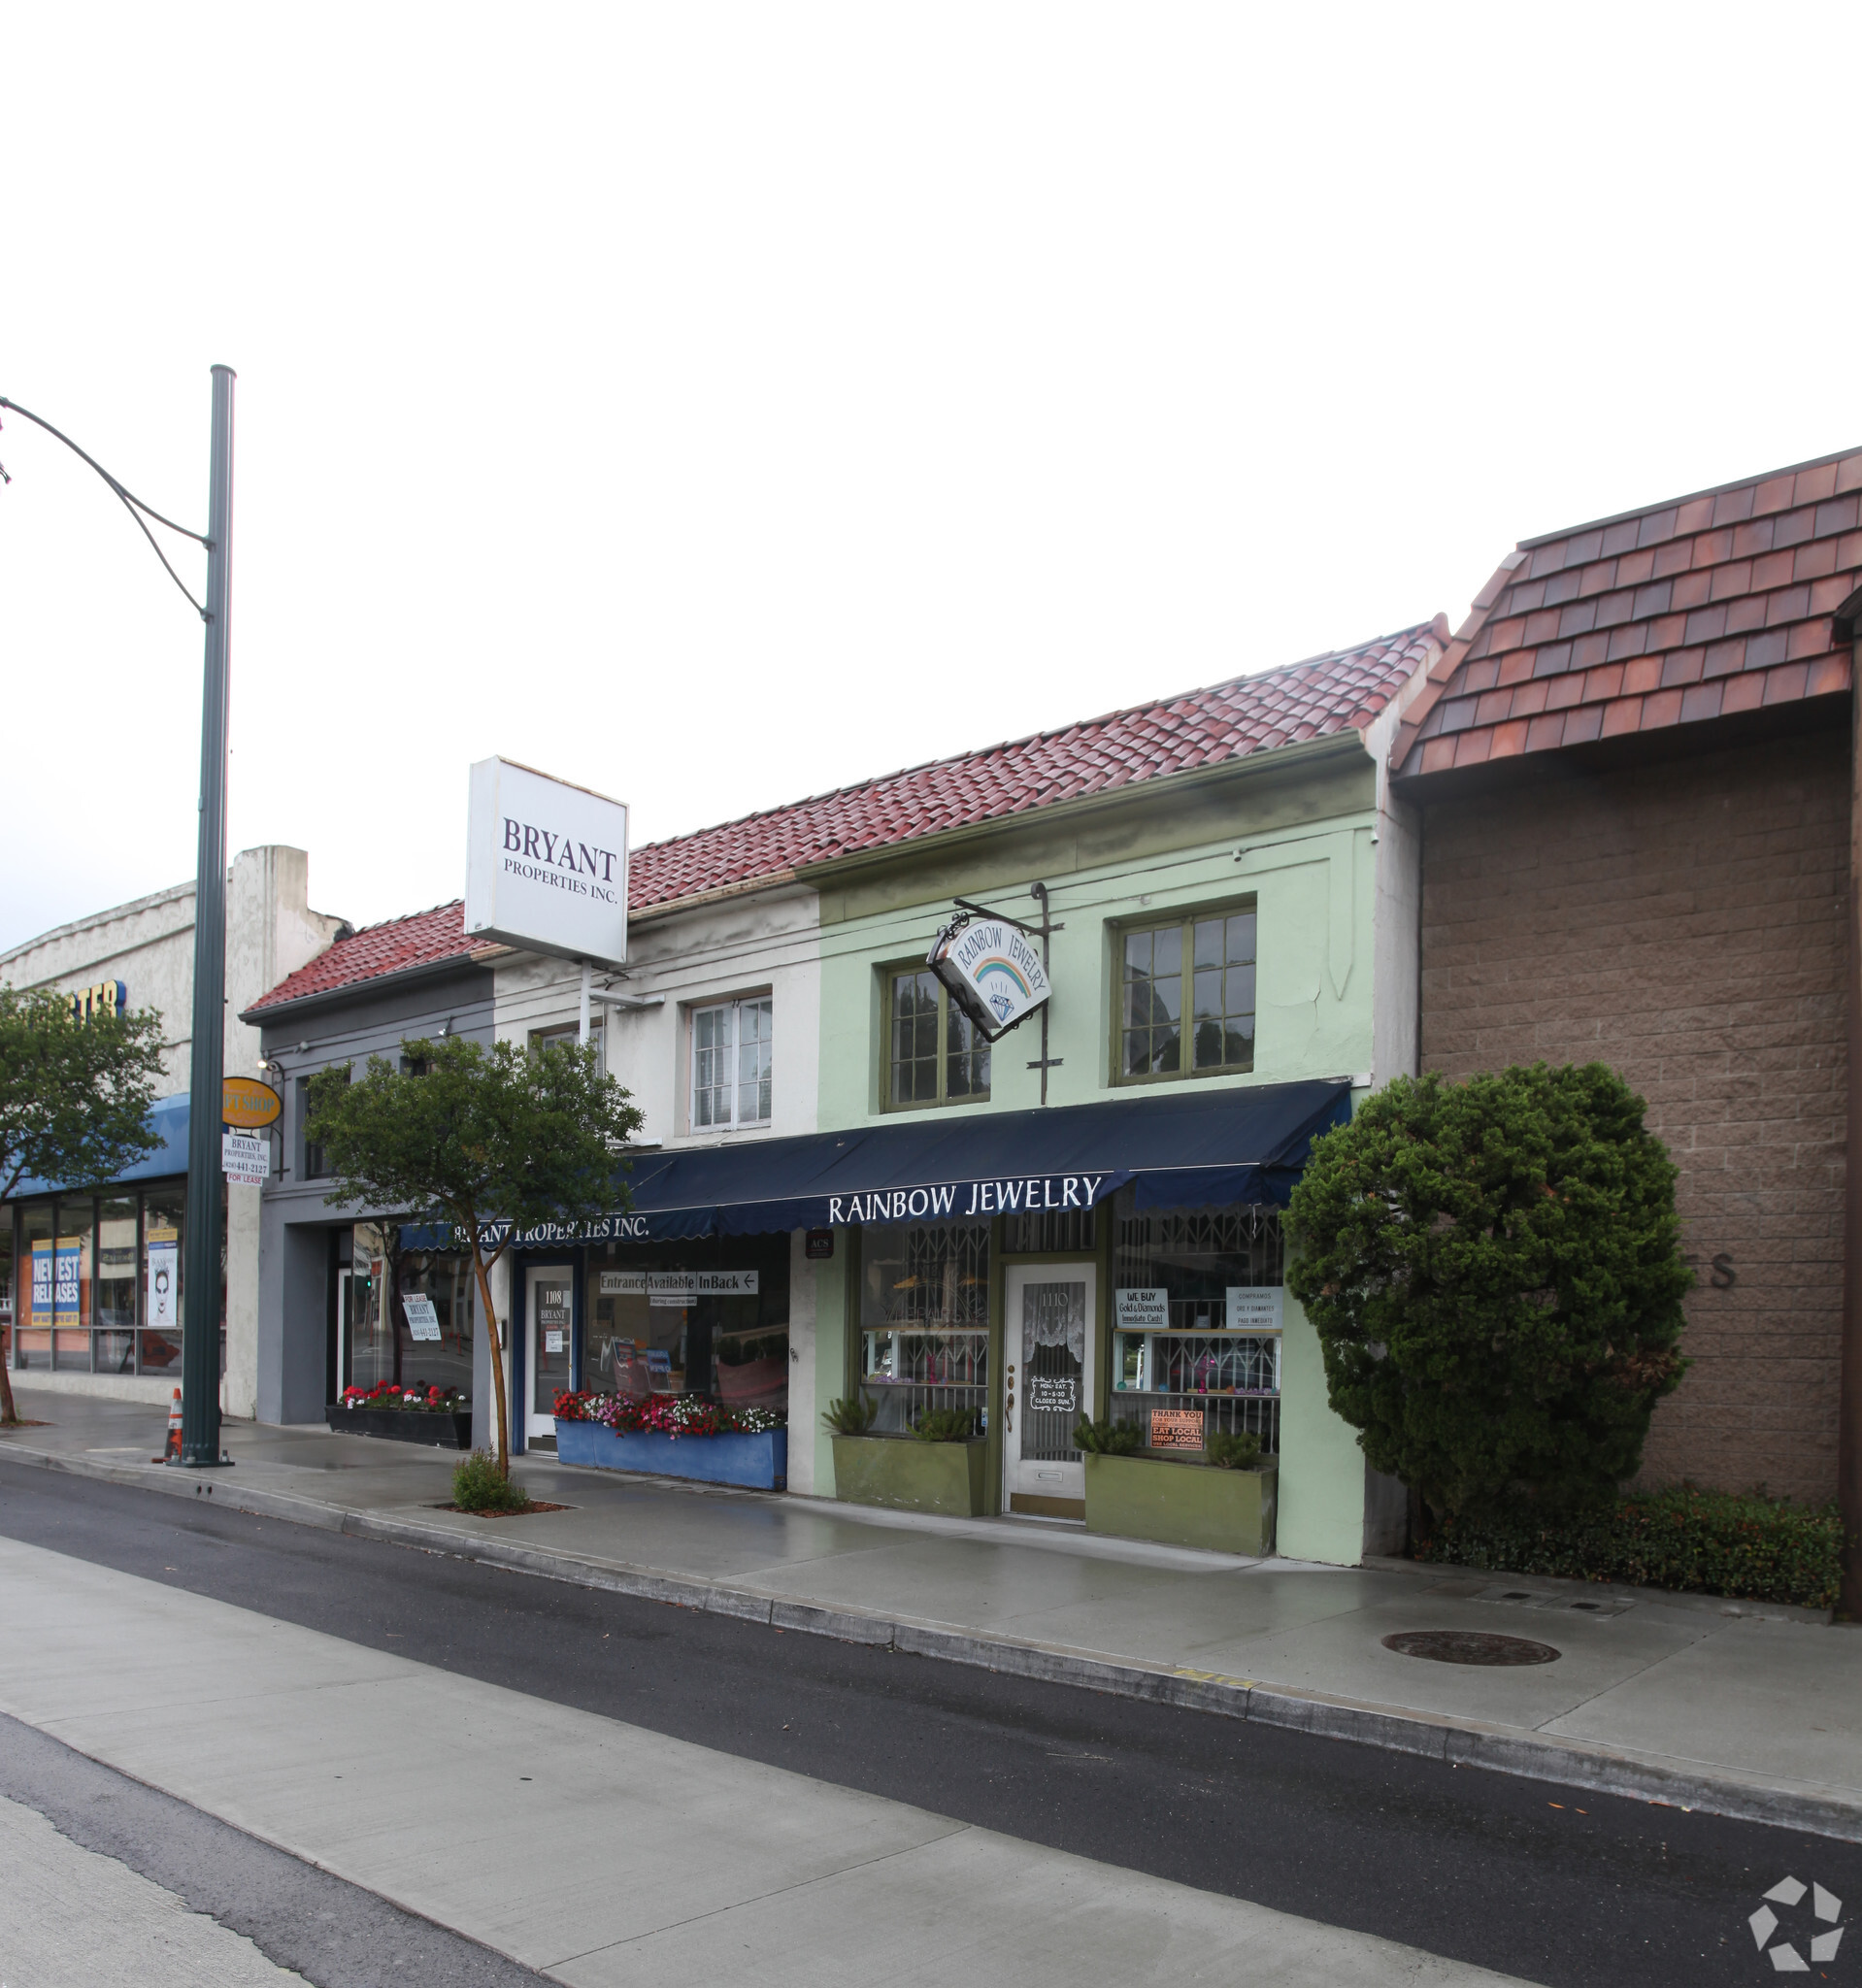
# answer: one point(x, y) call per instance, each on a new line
point(1049, 1355)
point(549, 1297)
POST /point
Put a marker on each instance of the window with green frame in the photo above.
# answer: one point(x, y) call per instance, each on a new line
point(935, 1054)
point(1186, 995)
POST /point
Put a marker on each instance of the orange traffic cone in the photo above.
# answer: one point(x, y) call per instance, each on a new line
point(171, 1449)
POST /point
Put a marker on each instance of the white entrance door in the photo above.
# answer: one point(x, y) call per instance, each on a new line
point(549, 1309)
point(1051, 1370)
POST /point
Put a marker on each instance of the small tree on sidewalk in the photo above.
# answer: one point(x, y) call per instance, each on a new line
point(478, 1138)
point(1494, 1270)
point(74, 1101)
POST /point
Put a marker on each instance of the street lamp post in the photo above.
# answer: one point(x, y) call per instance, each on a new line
point(201, 1269)
point(206, 1103)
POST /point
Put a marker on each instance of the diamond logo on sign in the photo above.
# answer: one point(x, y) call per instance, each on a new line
point(245, 1158)
point(1790, 1893)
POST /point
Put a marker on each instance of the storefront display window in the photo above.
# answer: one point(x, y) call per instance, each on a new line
point(925, 1318)
point(114, 1322)
point(35, 1285)
point(8, 1290)
point(710, 1316)
point(96, 1281)
point(438, 1311)
point(164, 1246)
point(73, 1272)
point(404, 1315)
point(1196, 1316)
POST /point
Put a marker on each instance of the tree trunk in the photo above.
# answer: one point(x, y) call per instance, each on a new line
point(479, 1266)
point(9, 1414)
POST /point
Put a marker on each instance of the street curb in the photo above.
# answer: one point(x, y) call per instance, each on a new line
point(1459, 1742)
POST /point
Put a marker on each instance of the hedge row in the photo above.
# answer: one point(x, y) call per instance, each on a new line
point(1743, 1546)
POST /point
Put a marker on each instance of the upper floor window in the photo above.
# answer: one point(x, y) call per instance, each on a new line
point(935, 1053)
point(569, 1035)
point(316, 1164)
point(732, 1056)
point(1187, 997)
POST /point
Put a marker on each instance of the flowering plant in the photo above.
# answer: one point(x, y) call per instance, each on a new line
point(666, 1414)
point(395, 1394)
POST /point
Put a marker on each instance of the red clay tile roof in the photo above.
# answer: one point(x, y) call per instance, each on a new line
point(427, 939)
point(1310, 700)
point(1695, 609)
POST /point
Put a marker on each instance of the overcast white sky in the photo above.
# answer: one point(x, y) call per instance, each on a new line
point(714, 405)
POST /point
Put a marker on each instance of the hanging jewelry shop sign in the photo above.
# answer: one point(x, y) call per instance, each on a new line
point(993, 970)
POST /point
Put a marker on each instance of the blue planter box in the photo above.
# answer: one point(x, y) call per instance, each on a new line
point(758, 1461)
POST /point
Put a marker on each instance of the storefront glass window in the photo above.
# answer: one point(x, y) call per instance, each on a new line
point(1200, 1344)
point(651, 1325)
point(436, 1312)
point(164, 1237)
point(114, 1347)
point(74, 1274)
point(367, 1343)
point(925, 1318)
point(11, 1298)
point(37, 1278)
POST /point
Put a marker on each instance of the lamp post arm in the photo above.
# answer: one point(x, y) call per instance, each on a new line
point(131, 503)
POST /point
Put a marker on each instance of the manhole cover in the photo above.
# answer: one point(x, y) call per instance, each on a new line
point(1469, 1646)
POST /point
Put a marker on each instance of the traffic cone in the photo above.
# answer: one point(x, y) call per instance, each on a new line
point(171, 1449)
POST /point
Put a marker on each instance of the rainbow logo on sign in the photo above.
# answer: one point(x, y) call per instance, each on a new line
point(994, 972)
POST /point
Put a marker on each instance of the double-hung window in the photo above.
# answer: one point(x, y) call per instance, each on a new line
point(732, 1055)
point(935, 1053)
point(1187, 997)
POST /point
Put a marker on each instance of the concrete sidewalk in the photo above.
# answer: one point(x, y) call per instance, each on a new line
point(598, 1852)
point(1733, 1707)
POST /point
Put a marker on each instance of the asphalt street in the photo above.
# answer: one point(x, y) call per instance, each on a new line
point(1528, 1878)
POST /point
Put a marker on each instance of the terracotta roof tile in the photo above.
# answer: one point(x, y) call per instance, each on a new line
point(427, 939)
point(1324, 695)
point(1717, 603)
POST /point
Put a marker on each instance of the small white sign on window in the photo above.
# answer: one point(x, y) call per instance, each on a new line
point(1142, 1310)
point(1254, 1308)
point(553, 1342)
point(678, 1287)
point(423, 1319)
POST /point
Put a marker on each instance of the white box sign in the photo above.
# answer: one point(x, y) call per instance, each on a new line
point(994, 974)
point(546, 865)
point(245, 1157)
point(1142, 1310)
point(423, 1317)
point(1254, 1308)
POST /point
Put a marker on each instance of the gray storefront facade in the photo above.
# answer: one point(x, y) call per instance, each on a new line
point(333, 1280)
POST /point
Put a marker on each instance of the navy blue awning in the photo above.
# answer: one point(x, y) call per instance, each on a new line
point(1195, 1147)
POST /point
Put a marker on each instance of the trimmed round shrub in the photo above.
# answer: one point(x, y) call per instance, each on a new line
point(1494, 1271)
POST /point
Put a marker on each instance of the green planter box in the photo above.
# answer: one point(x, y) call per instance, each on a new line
point(1180, 1504)
point(911, 1476)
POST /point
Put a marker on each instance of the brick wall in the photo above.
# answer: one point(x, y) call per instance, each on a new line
point(1683, 921)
